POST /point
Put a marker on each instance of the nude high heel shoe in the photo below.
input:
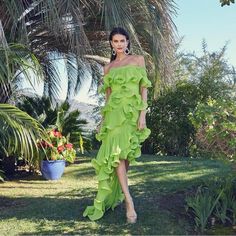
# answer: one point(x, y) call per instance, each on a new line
point(130, 214)
point(131, 219)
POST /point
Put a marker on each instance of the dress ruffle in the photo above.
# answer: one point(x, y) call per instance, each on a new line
point(119, 134)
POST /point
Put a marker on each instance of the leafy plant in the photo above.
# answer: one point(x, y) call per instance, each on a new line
point(203, 205)
point(68, 122)
point(233, 210)
point(16, 61)
point(19, 133)
point(225, 209)
point(44, 26)
point(216, 201)
point(58, 148)
point(172, 131)
point(222, 207)
point(215, 124)
point(198, 79)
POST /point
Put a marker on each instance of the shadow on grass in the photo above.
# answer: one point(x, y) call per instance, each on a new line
point(85, 173)
point(176, 175)
point(56, 215)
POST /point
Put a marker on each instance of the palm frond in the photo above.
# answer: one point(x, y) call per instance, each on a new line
point(52, 79)
point(75, 69)
point(152, 33)
point(15, 61)
point(19, 132)
point(81, 27)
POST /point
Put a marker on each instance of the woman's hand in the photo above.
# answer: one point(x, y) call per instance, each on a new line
point(142, 120)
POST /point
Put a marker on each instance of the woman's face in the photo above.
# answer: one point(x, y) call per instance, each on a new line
point(119, 43)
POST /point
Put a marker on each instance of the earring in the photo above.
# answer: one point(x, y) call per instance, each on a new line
point(127, 51)
point(113, 52)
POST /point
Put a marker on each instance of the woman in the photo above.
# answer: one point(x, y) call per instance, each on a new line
point(123, 127)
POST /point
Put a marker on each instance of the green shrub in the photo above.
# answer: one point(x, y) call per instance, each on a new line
point(215, 201)
point(215, 124)
point(172, 131)
point(202, 205)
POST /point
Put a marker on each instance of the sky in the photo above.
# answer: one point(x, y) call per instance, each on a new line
point(206, 19)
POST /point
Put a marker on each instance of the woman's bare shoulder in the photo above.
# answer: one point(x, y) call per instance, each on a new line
point(139, 60)
point(107, 67)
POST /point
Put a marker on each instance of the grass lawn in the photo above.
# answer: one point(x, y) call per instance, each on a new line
point(31, 205)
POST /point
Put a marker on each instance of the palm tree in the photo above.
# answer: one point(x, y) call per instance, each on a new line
point(19, 132)
point(77, 31)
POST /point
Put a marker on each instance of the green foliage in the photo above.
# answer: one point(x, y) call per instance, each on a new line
point(60, 117)
point(226, 2)
point(233, 211)
point(57, 148)
point(215, 201)
point(40, 109)
point(19, 133)
point(172, 131)
point(203, 204)
point(68, 122)
point(198, 79)
point(94, 142)
point(15, 60)
point(222, 207)
point(215, 124)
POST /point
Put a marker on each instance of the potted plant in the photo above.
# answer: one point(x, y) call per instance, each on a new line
point(55, 152)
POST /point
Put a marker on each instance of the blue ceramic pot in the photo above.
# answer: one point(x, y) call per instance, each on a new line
point(52, 170)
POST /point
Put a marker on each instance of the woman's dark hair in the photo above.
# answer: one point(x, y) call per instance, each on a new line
point(118, 30)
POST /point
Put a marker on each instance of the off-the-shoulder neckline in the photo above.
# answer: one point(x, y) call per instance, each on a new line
point(124, 66)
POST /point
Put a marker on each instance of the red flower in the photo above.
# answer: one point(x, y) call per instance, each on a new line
point(60, 148)
point(69, 145)
point(57, 134)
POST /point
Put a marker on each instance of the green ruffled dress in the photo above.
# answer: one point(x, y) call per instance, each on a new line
point(119, 134)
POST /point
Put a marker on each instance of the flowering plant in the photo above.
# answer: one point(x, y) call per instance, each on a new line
point(57, 147)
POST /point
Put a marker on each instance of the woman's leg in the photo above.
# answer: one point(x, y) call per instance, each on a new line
point(121, 171)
